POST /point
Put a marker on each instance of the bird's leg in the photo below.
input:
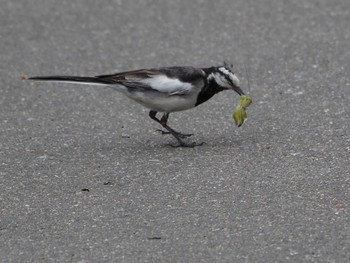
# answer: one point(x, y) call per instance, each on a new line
point(152, 115)
point(164, 121)
point(165, 118)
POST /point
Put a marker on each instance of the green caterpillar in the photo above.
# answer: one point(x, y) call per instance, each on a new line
point(240, 114)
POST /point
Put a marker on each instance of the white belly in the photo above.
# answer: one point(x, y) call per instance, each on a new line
point(164, 103)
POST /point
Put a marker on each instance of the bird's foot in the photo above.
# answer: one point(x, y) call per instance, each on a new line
point(187, 145)
point(181, 135)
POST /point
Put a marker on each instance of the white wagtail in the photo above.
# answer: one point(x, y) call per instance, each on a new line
point(166, 89)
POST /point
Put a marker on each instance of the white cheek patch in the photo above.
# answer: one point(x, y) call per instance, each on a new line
point(232, 76)
point(234, 79)
point(220, 80)
point(225, 71)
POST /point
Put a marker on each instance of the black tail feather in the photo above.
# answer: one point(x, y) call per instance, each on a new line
point(92, 80)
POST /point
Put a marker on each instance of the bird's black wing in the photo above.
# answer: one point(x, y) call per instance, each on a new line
point(170, 80)
point(167, 80)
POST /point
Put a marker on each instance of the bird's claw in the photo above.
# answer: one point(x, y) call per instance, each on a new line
point(187, 145)
point(181, 135)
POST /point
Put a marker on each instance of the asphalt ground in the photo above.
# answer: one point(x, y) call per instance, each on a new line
point(84, 176)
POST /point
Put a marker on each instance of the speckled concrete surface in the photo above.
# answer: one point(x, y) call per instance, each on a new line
point(84, 177)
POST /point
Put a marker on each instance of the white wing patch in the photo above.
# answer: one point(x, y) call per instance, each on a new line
point(168, 85)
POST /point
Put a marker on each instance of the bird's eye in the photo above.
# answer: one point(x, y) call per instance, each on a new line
point(229, 78)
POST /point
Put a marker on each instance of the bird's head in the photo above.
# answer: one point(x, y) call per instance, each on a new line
point(225, 79)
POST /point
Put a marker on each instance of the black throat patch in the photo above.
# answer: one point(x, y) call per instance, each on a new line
point(210, 89)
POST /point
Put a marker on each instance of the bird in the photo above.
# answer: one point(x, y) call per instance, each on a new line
point(164, 89)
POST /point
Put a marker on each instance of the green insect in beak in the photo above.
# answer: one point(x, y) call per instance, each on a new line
point(240, 114)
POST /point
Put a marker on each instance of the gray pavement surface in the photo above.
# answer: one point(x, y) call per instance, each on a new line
point(84, 177)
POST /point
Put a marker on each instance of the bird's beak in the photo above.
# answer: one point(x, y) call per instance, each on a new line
point(238, 90)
